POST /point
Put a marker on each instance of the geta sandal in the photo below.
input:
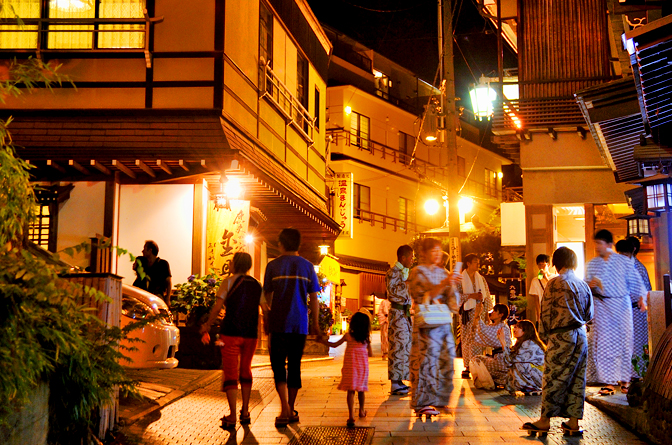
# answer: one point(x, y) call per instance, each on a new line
point(605, 391)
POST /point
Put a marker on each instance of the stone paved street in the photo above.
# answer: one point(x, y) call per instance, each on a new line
point(476, 416)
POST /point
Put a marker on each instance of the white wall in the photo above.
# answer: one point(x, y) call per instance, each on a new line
point(163, 213)
point(80, 218)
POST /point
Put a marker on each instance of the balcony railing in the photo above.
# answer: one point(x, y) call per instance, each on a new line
point(422, 167)
point(287, 103)
point(133, 34)
point(518, 115)
point(387, 222)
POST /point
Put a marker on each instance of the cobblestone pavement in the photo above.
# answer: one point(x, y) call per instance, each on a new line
point(475, 416)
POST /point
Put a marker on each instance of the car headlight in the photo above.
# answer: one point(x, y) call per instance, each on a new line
point(135, 309)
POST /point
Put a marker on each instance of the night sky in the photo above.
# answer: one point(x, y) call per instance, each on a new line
point(406, 32)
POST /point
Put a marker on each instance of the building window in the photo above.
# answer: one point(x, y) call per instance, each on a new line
point(406, 146)
point(316, 112)
point(265, 35)
point(490, 183)
point(359, 130)
point(302, 80)
point(362, 195)
point(406, 212)
point(39, 231)
point(382, 83)
point(461, 172)
point(99, 36)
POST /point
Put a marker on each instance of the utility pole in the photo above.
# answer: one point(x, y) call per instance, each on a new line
point(449, 136)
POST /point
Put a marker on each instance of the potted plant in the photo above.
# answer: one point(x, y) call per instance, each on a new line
point(325, 321)
point(636, 388)
point(194, 300)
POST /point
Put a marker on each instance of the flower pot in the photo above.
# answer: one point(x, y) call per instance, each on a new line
point(635, 393)
point(313, 347)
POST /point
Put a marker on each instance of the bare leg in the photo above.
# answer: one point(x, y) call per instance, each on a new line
point(351, 405)
point(232, 397)
point(573, 423)
point(292, 399)
point(281, 388)
point(362, 411)
point(246, 390)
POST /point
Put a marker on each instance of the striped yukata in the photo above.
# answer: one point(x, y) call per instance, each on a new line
point(485, 335)
point(640, 323)
point(610, 339)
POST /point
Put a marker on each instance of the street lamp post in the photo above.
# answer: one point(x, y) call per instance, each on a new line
point(449, 136)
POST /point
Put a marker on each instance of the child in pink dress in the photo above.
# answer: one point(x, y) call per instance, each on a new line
point(355, 371)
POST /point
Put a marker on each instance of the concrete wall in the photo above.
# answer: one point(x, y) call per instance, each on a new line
point(163, 213)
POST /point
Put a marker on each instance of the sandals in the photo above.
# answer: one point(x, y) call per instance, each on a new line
point(227, 425)
point(533, 393)
point(533, 430)
point(427, 411)
point(350, 423)
point(400, 391)
point(281, 422)
point(294, 417)
point(605, 391)
point(625, 389)
point(566, 430)
point(466, 375)
point(245, 418)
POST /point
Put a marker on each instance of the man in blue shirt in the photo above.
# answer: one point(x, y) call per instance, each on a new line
point(290, 283)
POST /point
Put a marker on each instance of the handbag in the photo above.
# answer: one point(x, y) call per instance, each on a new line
point(432, 315)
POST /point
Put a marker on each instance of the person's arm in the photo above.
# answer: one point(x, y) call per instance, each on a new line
point(265, 303)
point(333, 344)
point(369, 348)
point(314, 313)
point(506, 352)
point(169, 290)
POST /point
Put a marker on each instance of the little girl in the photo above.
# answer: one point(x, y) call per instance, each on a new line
point(355, 371)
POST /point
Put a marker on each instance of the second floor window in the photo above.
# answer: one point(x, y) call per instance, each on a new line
point(406, 145)
point(75, 36)
point(406, 212)
point(362, 195)
point(359, 130)
point(265, 35)
point(490, 183)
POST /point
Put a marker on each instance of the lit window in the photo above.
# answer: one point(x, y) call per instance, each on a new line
point(406, 212)
point(362, 196)
point(24, 9)
point(125, 36)
point(71, 9)
point(359, 130)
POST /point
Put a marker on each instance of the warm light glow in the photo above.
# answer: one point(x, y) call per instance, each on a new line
point(233, 189)
point(465, 204)
point(482, 97)
point(431, 206)
point(348, 109)
point(500, 175)
point(324, 249)
point(71, 4)
point(220, 201)
point(377, 74)
point(249, 239)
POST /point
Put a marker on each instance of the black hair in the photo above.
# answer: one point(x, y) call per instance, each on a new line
point(529, 333)
point(564, 257)
point(604, 235)
point(290, 239)
point(469, 258)
point(429, 243)
point(242, 262)
point(403, 251)
point(360, 327)
point(625, 246)
point(635, 244)
point(543, 258)
point(502, 309)
point(151, 245)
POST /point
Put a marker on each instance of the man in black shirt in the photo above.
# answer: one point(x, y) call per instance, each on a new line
point(157, 279)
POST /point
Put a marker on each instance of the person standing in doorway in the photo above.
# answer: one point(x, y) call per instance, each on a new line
point(538, 285)
point(616, 287)
point(157, 278)
point(399, 319)
point(290, 290)
point(383, 314)
point(472, 289)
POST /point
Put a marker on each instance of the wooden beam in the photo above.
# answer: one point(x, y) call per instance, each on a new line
point(55, 165)
point(184, 165)
point(145, 168)
point(122, 168)
point(77, 166)
point(100, 167)
point(163, 166)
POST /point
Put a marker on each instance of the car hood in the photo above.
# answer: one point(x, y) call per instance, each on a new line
point(157, 304)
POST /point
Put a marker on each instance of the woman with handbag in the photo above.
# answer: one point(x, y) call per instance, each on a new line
point(240, 294)
point(433, 347)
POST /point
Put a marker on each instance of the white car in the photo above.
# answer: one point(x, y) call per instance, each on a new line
point(161, 338)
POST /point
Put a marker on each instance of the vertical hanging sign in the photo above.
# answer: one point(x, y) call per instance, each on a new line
point(343, 204)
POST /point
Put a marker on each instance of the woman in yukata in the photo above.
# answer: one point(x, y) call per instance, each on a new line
point(525, 358)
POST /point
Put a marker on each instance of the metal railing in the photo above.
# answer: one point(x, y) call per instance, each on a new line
point(287, 103)
point(365, 216)
point(420, 166)
point(518, 115)
point(43, 27)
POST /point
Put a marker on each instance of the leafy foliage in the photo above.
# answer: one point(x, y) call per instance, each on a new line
point(641, 362)
point(196, 297)
point(325, 319)
point(47, 333)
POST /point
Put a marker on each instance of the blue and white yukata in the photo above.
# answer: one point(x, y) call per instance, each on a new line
point(524, 368)
point(610, 339)
point(640, 323)
point(485, 335)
